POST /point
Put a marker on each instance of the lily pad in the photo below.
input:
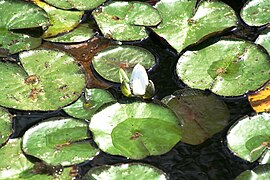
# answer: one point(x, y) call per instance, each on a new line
point(107, 125)
point(203, 115)
point(77, 4)
point(249, 138)
point(13, 162)
point(264, 39)
point(87, 105)
point(126, 171)
point(256, 12)
point(60, 20)
point(80, 34)
point(19, 15)
point(108, 61)
point(5, 125)
point(58, 141)
point(238, 67)
point(259, 173)
point(48, 80)
point(181, 26)
point(126, 21)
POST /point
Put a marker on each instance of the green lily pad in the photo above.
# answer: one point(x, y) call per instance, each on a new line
point(58, 141)
point(60, 20)
point(264, 39)
point(203, 115)
point(48, 80)
point(87, 105)
point(238, 67)
point(126, 21)
point(19, 15)
point(256, 12)
point(13, 162)
point(249, 138)
point(181, 26)
point(80, 34)
point(261, 172)
point(5, 125)
point(77, 4)
point(108, 61)
point(107, 125)
point(126, 171)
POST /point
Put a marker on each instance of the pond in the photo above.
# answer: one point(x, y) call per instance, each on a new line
point(177, 110)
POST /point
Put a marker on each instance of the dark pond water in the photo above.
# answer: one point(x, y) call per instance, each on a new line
point(210, 160)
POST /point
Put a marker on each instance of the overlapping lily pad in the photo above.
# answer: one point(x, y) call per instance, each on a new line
point(60, 20)
point(87, 105)
point(237, 68)
point(203, 115)
point(13, 162)
point(126, 21)
point(19, 15)
point(77, 4)
point(261, 172)
point(264, 39)
point(181, 26)
point(47, 80)
point(256, 12)
point(126, 171)
point(5, 125)
point(135, 130)
point(108, 61)
point(58, 142)
point(249, 138)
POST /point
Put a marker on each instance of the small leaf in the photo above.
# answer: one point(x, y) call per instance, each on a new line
point(139, 80)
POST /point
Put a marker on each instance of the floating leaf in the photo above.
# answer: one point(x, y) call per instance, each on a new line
point(58, 141)
point(80, 34)
point(181, 26)
point(249, 138)
point(5, 125)
point(264, 40)
point(125, 21)
point(203, 115)
point(13, 162)
point(238, 67)
point(122, 116)
point(261, 172)
point(126, 171)
point(87, 105)
point(77, 4)
point(19, 15)
point(48, 80)
point(61, 20)
point(108, 62)
point(256, 12)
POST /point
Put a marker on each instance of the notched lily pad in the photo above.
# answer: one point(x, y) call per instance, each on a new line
point(134, 124)
point(126, 21)
point(239, 67)
point(59, 142)
point(249, 138)
point(77, 4)
point(203, 115)
point(5, 125)
point(47, 80)
point(256, 12)
point(181, 26)
point(126, 171)
point(108, 61)
point(259, 173)
point(89, 103)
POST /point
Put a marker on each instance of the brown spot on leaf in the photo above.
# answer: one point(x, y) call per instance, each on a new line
point(32, 79)
point(135, 136)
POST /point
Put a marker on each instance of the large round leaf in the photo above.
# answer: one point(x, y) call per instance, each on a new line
point(181, 26)
point(203, 115)
point(48, 80)
point(108, 61)
point(249, 138)
point(125, 21)
point(238, 67)
point(13, 162)
point(58, 141)
point(19, 15)
point(107, 125)
point(78, 4)
point(87, 105)
point(5, 125)
point(127, 172)
point(261, 172)
point(256, 12)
